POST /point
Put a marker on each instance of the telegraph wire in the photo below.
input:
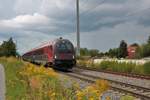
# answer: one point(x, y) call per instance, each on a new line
point(93, 8)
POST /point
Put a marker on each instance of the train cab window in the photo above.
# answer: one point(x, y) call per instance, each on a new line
point(64, 47)
point(69, 46)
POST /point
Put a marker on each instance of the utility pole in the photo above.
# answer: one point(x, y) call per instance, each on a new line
point(78, 28)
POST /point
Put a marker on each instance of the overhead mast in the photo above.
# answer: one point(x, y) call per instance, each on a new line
point(78, 28)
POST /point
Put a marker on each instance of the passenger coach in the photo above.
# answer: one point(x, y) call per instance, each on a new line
point(59, 53)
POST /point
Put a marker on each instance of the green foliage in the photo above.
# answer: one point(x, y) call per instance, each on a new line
point(19, 87)
point(25, 81)
point(87, 52)
point(148, 41)
point(84, 52)
point(94, 52)
point(120, 52)
point(15, 88)
point(117, 66)
point(123, 67)
point(147, 68)
point(143, 50)
point(122, 49)
point(126, 97)
point(146, 50)
point(8, 48)
point(114, 52)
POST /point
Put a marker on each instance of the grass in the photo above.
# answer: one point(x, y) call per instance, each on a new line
point(25, 81)
point(127, 97)
point(13, 83)
point(147, 68)
point(117, 67)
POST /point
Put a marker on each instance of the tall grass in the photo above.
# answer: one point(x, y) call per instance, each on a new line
point(121, 67)
point(147, 68)
point(25, 81)
point(14, 87)
point(118, 66)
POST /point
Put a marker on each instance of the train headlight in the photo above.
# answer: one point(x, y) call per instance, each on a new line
point(73, 57)
point(55, 57)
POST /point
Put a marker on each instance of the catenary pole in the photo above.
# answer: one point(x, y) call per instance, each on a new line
point(78, 28)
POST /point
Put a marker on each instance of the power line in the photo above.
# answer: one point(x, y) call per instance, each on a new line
point(78, 28)
point(93, 8)
point(102, 2)
point(130, 14)
point(83, 3)
point(90, 10)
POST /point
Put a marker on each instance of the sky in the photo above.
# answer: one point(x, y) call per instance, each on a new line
point(103, 23)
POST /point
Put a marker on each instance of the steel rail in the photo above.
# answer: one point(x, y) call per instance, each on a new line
point(138, 76)
point(136, 91)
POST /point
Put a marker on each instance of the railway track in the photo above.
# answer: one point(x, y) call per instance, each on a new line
point(136, 91)
point(138, 76)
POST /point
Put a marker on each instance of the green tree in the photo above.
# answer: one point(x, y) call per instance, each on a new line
point(148, 41)
point(113, 52)
point(1, 51)
point(101, 54)
point(94, 52)
point(87, 52)
point(146, 50)
point(122, 53)
point(8, 48)
point(84, 52)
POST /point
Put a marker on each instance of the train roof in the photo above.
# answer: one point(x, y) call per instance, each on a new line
point(46, 44)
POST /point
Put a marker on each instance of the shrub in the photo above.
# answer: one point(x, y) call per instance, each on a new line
point(93, 92)
point(127, 97)
point(104, 65)
point(146, 67)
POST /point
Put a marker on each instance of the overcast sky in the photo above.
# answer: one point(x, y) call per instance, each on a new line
point(104, 23)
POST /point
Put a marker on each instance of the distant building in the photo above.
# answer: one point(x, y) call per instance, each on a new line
point(132, 51)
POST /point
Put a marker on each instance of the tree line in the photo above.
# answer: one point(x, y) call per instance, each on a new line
point(120, 52)
point(143, 50)
point(8, 48)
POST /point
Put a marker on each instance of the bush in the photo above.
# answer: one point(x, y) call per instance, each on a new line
point(104, 65)
point(126, 97)
point(147, 68)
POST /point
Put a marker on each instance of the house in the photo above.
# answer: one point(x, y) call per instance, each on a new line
point(132, 51)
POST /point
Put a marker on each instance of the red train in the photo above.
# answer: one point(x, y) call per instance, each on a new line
point(59, 53)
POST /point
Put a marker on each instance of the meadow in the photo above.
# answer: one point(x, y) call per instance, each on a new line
point(25, 81)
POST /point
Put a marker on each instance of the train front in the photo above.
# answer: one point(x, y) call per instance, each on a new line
point(64, 54)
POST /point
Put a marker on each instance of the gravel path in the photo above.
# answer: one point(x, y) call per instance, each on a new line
point(2, 83)
point(134, 81)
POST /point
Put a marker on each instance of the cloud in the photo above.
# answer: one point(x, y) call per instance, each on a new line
point(26, 6)
point(21, 20)
point(101, 22)
point(110, 37)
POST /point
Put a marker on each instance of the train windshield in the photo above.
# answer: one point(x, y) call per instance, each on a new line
point(64, 46)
